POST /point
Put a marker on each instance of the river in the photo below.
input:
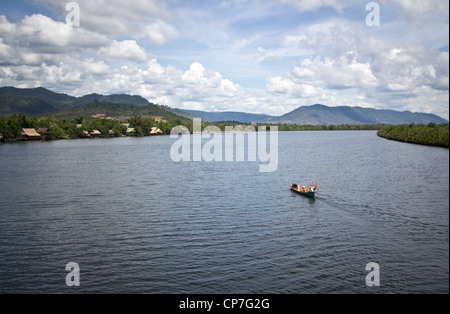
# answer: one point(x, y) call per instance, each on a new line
point(135, 221)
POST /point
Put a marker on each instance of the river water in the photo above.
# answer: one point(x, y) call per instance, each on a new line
point(135, 221)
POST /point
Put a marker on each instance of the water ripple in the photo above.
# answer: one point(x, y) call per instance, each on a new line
point(138, 223)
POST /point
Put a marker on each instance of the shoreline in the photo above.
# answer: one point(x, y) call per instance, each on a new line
point(427, 135)
point(413, 143)
point(15, 141)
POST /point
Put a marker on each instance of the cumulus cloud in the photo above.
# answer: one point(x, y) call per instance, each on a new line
point(116, 18)
point(201, 89)
point(37, 38)
point(122, 48)
point(378, 72)
point(341, 73)
point(127, 49)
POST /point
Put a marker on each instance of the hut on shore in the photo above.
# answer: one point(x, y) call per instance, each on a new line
point(156, 131)
point(30, 135)
point(131, 132)
point(95, 134)
point(44, 132)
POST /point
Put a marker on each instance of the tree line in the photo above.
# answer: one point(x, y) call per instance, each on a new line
point(11, 127)
point(332, 127)
point(295, 127)
point(432, 134)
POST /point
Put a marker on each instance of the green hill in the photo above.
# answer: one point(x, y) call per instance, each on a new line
point(30, 106)
point(115, 99)
point(114, 110)
point(32, 101)
point(39, 101)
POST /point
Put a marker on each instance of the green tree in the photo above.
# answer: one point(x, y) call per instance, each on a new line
point(56, 132)
point(431, 134)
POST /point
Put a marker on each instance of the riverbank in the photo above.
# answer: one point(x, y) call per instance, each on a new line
point(19, 127)
point(431, 134)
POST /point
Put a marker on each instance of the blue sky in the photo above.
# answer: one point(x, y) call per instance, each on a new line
point(260, 56)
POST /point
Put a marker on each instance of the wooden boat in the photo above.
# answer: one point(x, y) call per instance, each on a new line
point(311, 192)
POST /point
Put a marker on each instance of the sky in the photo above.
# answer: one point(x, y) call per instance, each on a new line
point(257, 56)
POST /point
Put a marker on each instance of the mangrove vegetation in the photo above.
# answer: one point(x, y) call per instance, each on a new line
point(431, 134)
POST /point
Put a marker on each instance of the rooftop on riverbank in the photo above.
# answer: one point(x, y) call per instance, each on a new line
point(30, 134)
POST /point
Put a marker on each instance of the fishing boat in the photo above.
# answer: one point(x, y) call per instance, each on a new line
point(302, 190)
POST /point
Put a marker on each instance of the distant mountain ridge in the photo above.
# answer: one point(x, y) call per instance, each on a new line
point(228, 116)
point(323, 115)
point(40, 101)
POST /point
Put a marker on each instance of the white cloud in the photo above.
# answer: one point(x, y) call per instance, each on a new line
point(127, 49)
point(333, 61)
point(375, 72)
point(340, 73)
point(418, 12)
point(116, 18)
point(158, 32)
point(311, 5)
point(293, 88)
point(6, 52)
point(36, 38)
point(406, 65)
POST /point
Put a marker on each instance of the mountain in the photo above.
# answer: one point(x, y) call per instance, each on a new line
point(115, 110)
point(39, 93)
point(40, 101)
point(32, 101)
point(228, 116)
point(114, 99)
point(180, 113)
point(323, 115)
point(30, 106)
